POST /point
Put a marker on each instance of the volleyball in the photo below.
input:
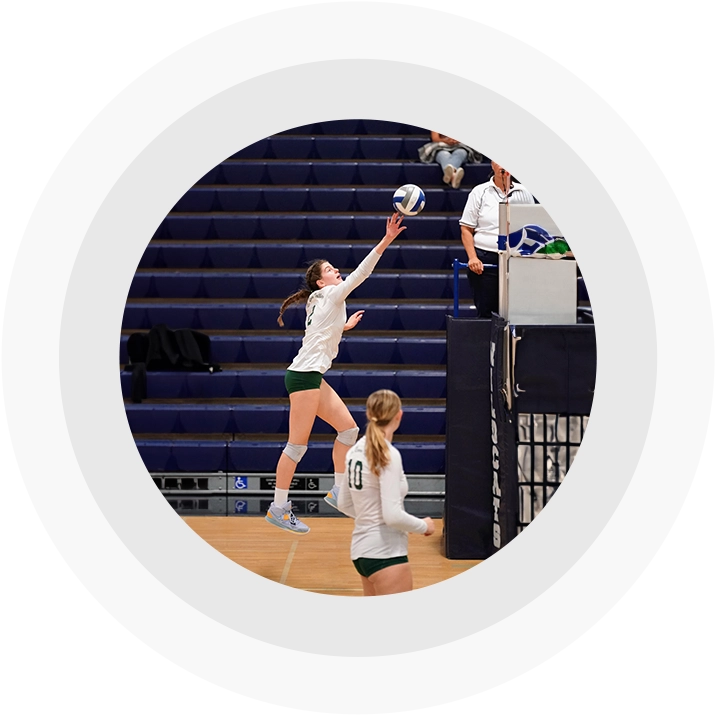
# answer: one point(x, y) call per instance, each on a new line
point(409, 200)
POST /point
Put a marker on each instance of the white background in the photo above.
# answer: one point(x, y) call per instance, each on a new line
point(55, 71)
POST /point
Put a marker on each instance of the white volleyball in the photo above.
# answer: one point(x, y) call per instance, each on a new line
point(409, 199)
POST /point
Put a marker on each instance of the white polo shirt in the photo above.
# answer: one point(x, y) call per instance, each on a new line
point(482, 211)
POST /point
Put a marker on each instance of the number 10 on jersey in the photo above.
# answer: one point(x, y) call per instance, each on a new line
point(355, 475)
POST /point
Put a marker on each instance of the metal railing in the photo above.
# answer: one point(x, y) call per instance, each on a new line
point(456, 266)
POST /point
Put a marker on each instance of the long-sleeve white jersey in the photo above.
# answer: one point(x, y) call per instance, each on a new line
point(325, 319)
point(376, 503)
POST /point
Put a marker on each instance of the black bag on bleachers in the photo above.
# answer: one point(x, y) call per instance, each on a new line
point(165, 349)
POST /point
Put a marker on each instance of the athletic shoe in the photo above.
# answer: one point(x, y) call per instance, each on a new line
point(457, 178)
point(332, 497)
point(284, 518)
point(448, 174)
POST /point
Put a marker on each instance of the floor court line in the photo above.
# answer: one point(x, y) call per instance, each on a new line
point(287, 566)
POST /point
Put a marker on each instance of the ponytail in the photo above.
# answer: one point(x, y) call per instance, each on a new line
point(313, 274)
point(381, 407)
point(298, 297)
point(376, 448)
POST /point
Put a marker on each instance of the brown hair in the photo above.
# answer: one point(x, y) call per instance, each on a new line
point(380, 408)
point(313, 274)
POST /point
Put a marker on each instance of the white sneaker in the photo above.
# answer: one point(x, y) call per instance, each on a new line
point(457, 178)
point(448, 174)
point(332, 497)
point(284, 518)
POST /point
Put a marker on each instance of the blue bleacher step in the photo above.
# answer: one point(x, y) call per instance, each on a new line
point(269, 383)
point(239, 456)
point(311, 198)
point(242, 315)
point(336, 173)
point(378, 127)
point(253, 418)
point(337, 147)
point(353, 349)
point(303, 227)
point(275, 285)
point(286, 255)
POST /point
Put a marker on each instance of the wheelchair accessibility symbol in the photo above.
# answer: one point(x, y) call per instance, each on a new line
point(241, 483)
point(240, 507)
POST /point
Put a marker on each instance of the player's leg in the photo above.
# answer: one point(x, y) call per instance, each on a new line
point(368, 587)
point(335, 412)
point(302, 414)
point(360, 565)
point(392, 580)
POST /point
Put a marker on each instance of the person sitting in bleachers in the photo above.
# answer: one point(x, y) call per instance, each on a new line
point(450, 154)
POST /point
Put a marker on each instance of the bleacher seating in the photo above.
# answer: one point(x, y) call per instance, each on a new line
point(291, 254)
point(254, 348)
point(268, 383)
point(268, 285)
point(237, 243)
point(247, 418)
point(261, 456)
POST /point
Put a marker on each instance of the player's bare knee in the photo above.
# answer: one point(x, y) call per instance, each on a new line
point(295, 452)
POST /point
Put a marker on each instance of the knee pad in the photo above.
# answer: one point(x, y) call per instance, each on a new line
point(295, 452)
point(348, 437)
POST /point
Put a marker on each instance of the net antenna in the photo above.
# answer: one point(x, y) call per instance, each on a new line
point(502, 278)
point(503, 258)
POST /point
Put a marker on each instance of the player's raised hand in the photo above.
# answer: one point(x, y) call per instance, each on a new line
point(393, 227)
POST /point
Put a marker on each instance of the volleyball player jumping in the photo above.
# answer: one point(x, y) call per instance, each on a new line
point(309, 394)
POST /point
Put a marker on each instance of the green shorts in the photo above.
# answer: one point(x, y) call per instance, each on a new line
point(296, 381)
point(366, 566)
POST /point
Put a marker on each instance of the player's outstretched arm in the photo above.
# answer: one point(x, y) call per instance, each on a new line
point(392, 229)
point(366, 266)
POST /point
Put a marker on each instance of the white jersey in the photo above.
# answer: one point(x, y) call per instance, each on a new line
point(325, 319)
point(376, 503)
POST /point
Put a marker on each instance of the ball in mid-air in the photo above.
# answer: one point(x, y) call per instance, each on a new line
point(409, 200)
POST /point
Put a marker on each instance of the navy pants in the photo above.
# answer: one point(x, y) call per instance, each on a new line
point(485, 286)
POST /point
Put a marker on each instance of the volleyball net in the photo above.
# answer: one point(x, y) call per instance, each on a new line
point(541, 390)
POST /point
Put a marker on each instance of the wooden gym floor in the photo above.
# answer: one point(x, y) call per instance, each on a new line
point(319, 561)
